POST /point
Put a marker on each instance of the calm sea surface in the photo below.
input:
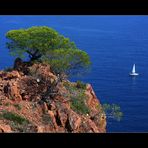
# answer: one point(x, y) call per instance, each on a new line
point(114, 44)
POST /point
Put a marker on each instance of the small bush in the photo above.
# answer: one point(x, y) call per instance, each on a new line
point(14, 117)
point(98, 107)
point(1, 103)
point(11, 97)
point(66, 84)
point(79, 106)
point(80, 84)
point(113, 111)
point(7, 104)
point(17, 106)
point(77, 96)
point(25, 128)
point(78, 102)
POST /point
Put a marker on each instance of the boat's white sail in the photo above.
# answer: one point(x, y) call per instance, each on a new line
point(133, 73)
point(133, 70)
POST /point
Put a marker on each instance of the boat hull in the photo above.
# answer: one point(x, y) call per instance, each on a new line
point(133, 74)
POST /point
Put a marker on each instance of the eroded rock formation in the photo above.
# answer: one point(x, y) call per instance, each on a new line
point(32, 100)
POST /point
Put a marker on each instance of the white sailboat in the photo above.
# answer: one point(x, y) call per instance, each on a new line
point(133, 73)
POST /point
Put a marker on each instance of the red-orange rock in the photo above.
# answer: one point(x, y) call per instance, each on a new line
point(52, 116)
point(62, 116)
point(74, 120)
point(5, 128)
point(44, 107)
point(22, 86)
point(92, 100)
point(43, 70)
point(14, 92)
point(40, 129)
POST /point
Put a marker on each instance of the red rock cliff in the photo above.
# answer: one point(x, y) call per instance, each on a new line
point(36, 102)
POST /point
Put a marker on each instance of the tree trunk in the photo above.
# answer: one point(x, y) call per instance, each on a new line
point(34, 56)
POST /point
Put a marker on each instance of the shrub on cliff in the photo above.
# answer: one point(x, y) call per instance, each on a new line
point(80, 84)
point(14, 117)
point(112, 111)
point(77, 97)
point(42, 43)
point(78, 104)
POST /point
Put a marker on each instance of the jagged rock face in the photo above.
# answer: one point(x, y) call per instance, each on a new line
point(28, 105)
point(5, 128)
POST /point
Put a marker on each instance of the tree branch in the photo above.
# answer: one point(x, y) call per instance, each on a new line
point(34, 56)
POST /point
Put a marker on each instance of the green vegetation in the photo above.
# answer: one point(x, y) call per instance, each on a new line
point(77, 98)
point(1, 102)
point(7, 104)
point(74, 87)
point(18, 106)
point(99, 107)
point(69, 61)
point(18, 128)
point(112, 111)
point(14, 117)
point(80, 84)
point(78, 104)
point(44, 44)
point(16, 122)
point(11, 97)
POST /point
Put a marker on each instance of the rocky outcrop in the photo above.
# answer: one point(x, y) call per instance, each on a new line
point(5, 128)
point(32, 99)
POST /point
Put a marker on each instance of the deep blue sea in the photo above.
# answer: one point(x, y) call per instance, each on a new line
point(114, 44)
